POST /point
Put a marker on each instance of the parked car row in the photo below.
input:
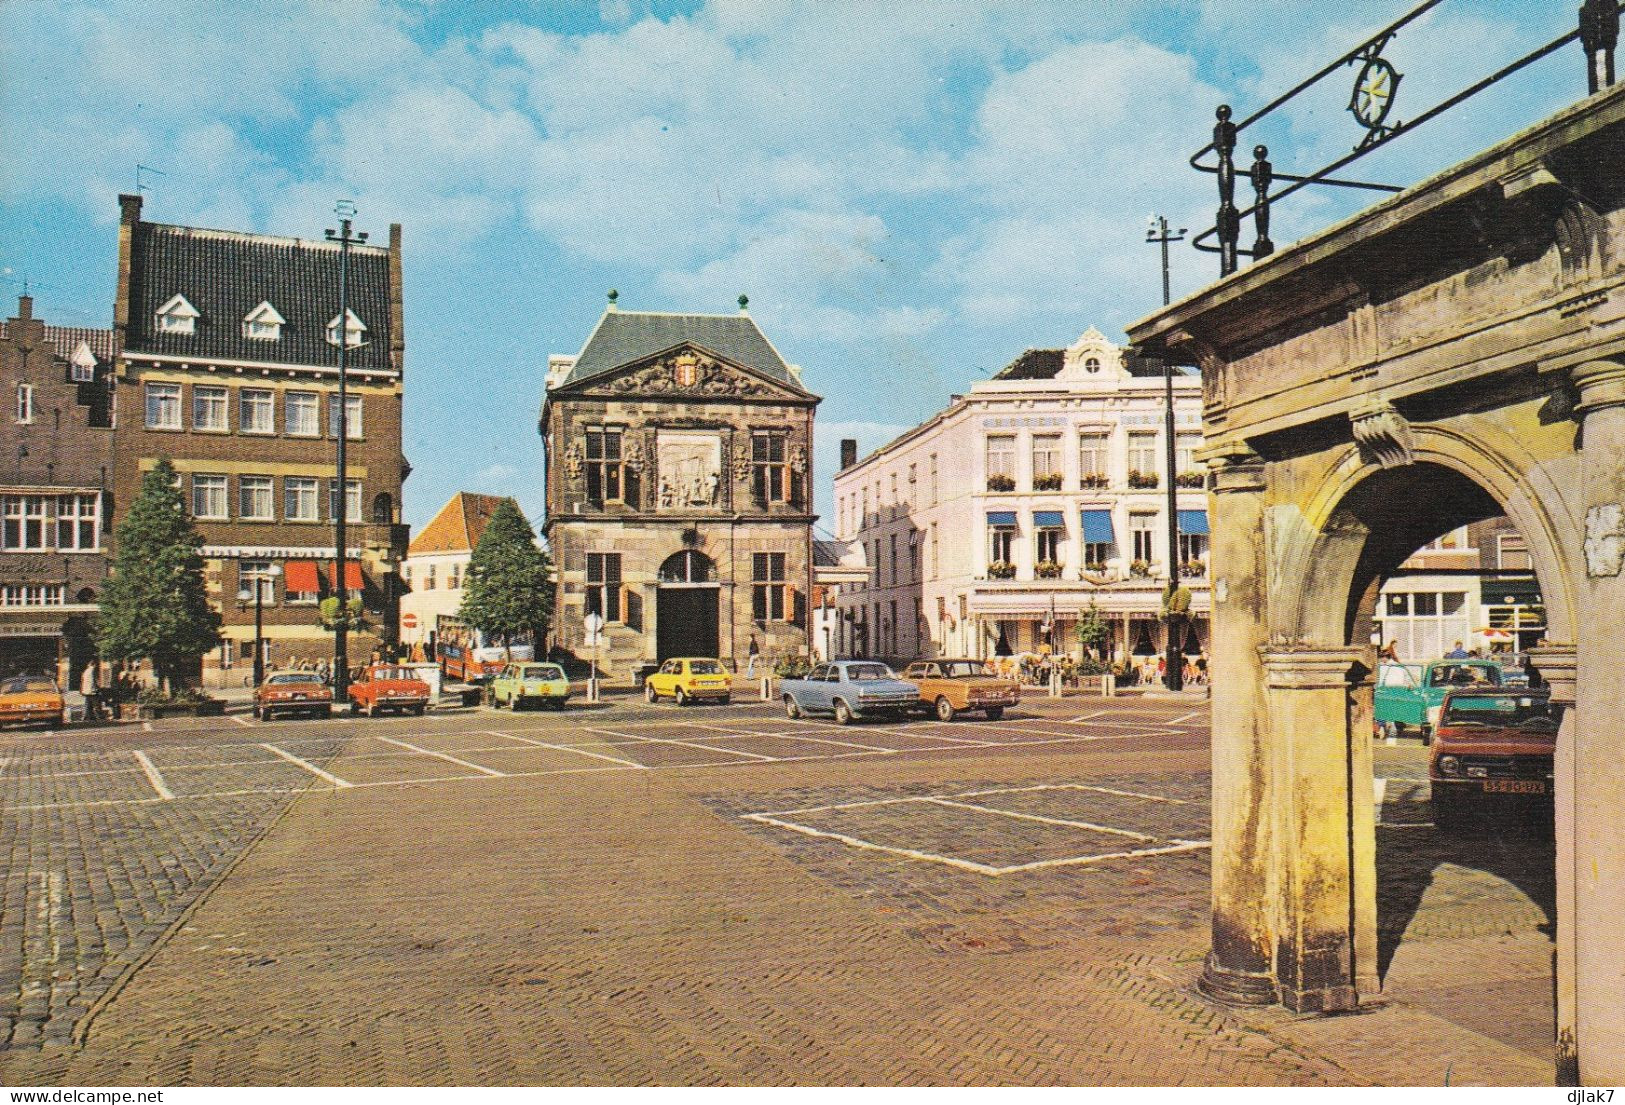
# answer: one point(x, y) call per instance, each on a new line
point(851, 690)
point(377, 689)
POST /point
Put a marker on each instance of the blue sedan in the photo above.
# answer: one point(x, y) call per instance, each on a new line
point(849, 690)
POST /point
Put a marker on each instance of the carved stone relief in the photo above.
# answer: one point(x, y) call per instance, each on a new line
point(687, 373)
point(690, 470)
point(1383, 434)
point(1605, 540)
point(572, 460)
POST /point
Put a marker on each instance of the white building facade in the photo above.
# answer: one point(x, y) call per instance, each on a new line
point(992, 527)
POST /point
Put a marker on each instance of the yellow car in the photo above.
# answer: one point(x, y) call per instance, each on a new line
point(31, 700)
point(689, 679)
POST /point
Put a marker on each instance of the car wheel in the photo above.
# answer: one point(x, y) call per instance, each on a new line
point(327, 711)
point(843, 712)
point(725, 699)
point(56, 722)
point(994, 713)
point(513, 704)
point(681, 697)
point(791, 710)
point(945, 709)
point(649, 694)
point(355, 707)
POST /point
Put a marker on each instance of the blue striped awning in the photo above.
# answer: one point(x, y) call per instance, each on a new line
point(1048, 519)
point(1193, 522)
point(1097, 527)
point(1001, 518)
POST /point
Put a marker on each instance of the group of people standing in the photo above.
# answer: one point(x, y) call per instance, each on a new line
point(105, 698)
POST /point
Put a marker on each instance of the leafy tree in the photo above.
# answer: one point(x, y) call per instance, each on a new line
point(508, 592)
point(154, 605)
point(1093, 631)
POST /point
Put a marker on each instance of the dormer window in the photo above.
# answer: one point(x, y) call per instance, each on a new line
point(177, 317)
point(82, 365)
point(1092, 365)
point(354, 330)
point(263, 323)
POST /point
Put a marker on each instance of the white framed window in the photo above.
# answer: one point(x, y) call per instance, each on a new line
point(1093, 457)
point(1193, 554)
point(1142, 458)
point(1001, 462)
point(255, 498)
point(256, 411)
point(769, 590)
point(352, 419)
point(32, 594)
point(209, 496)
point(935, 565)
point(209, 409)
point(454, 578)
point(1001, 544)
point(256, 574)
point(355, 331)
point(82, 365)
point(1050, 539)
point(931, 488)
point(78, 522)
point(22, 521)
point(263, 323)
point(428, 576)
point(1512, 553)
point(1142, 529)
point(352, 500)
point(163, 406)
point(299, 498)
point(176, 317)
point(25, 403)
point(1047, 458)
point(604, 585)
point(302, 419)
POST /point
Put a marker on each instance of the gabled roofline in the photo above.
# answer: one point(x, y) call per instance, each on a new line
point(687, 343)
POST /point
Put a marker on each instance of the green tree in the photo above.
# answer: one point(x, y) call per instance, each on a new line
point(508, 593)
point(154, 605)
point(1093, 631)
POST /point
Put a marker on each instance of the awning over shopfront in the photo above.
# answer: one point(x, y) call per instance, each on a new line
point(1002, 518)
point(1193, 522)
point(304, 577)
point(1097, 527)
point(353, 580)
point(1048, 519)
point(301, 577)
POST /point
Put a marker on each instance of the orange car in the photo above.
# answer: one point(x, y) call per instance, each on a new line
point(292, 692)
point(953, 687)
point(31, 700)
point(388, 687)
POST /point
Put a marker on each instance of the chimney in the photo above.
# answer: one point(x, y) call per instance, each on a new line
point(25, 307)
point(129, 209)
point(849, 452)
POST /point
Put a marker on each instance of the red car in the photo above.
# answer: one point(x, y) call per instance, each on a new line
point(292, 692)
point(388, 687)
point(1493, 748)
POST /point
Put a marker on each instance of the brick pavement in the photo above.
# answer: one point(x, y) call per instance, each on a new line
point(629, 927)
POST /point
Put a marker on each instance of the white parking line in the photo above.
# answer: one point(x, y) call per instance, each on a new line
point(786, 737)
point(1185, 718)
point(443, 756)
point(568, 748)
point(888, 729)
point(687, 744)
point(240, 720)
point(307, 765)
point(154, 776)
point(856, 842)
point(1042, 820)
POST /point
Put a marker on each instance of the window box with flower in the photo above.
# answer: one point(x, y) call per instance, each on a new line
point(1047, 569)
point(1094, 481)
point(1001, 569)
point(1001, 483)
point(1142, 481)
point(1191, 479)
point(1193, 569)
point(1049, 481)
point(1139, 569)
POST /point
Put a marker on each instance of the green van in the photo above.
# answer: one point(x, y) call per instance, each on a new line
point(1409, 696)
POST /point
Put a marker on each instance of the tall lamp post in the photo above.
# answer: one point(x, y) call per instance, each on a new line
point(345, 209)
point(1173, 661)
point(268, 576)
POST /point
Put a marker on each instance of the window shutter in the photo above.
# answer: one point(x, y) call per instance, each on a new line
point(797, 607)
point(632, 608)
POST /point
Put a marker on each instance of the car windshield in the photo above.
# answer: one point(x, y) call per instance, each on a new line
point(295, 677)
point(393, 673)
point(1504, 711)
point(863, 673)
point(963, 669)
point(27, 686)
point(705, 667)
point(543, 671)
point(1464, 675)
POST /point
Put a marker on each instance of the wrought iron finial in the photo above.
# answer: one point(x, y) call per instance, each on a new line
point(1229, 221)
point(1262, 174)
point(1599, 33)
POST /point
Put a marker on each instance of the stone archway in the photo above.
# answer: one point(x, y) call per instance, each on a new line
point(687, 606)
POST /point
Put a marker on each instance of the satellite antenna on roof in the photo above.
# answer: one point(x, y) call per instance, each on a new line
point(139, 169)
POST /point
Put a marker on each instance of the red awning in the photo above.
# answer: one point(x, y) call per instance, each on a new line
point(301, 577)
point(352, 575)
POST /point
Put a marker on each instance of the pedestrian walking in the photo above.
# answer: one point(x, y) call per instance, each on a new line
point(1457, 653)
point(90, 687)
point(755, 655)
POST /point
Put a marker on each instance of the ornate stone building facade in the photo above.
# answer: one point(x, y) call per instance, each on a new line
point(679, 490)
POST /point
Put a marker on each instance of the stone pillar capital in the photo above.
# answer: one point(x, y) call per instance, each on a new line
point(1235, 467)
point(1556, 664)
point(1311, 669)
point(1600, 384)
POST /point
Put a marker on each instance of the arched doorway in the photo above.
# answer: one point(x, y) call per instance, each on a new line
point(686, 606)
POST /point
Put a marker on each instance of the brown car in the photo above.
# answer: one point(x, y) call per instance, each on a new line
point(292, 692)
point(1493, 747)
point(951, 687)
point(31, 700)
point(388, 687)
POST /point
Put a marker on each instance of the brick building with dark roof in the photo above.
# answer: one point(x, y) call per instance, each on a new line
point(56, 466)
point(228, 365)
point(679, 490)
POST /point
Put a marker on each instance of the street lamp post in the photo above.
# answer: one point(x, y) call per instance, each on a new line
point(341, 658)
point(1173, 659)
point(260, 580)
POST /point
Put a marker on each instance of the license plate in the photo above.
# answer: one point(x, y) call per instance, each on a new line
point(1514, 786)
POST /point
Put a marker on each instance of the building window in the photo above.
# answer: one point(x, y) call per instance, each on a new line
point(254, 499)
point(1142, 460)
point(22, 521)
point(32, 594)
point(896, 503)
point(78, 522)
point(301, 418)
point(1001, 463)
point(604, 585)
point(1425, 623)
point(1193, 554)
point(352, 420)
point(1047, 463)
point(935, 566)
point(863, 519)
point(1001, 545)
point(1096, 553)
point(428, 577)
point(209, 409)
point(1092, 461)
point(1091, 365)
point(604, 465)
point(263, 323)
point(25, 403)
point(256, 574)
point(767, 591)
point(770, 474)
point(256, 411)
point(352, 500)
point(914, 555)
point(406, 575)
point(931, 488)
point(163, 406)
point(299, 498)
point(1050, 539)
point(82, 365)
point(913, 489)
point(454, 577)
point(1512, 553)
point(891, 540)
point(176, 317)
point(1142, 529)
point(1185, 447)
point(209, 497)
point(354, 330)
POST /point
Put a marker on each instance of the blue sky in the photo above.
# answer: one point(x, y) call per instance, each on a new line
point(910, 193)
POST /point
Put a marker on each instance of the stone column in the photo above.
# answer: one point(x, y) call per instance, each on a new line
point(1599, 731)
point(1310, 712)
point(1240, 967)
point(1556, 664)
